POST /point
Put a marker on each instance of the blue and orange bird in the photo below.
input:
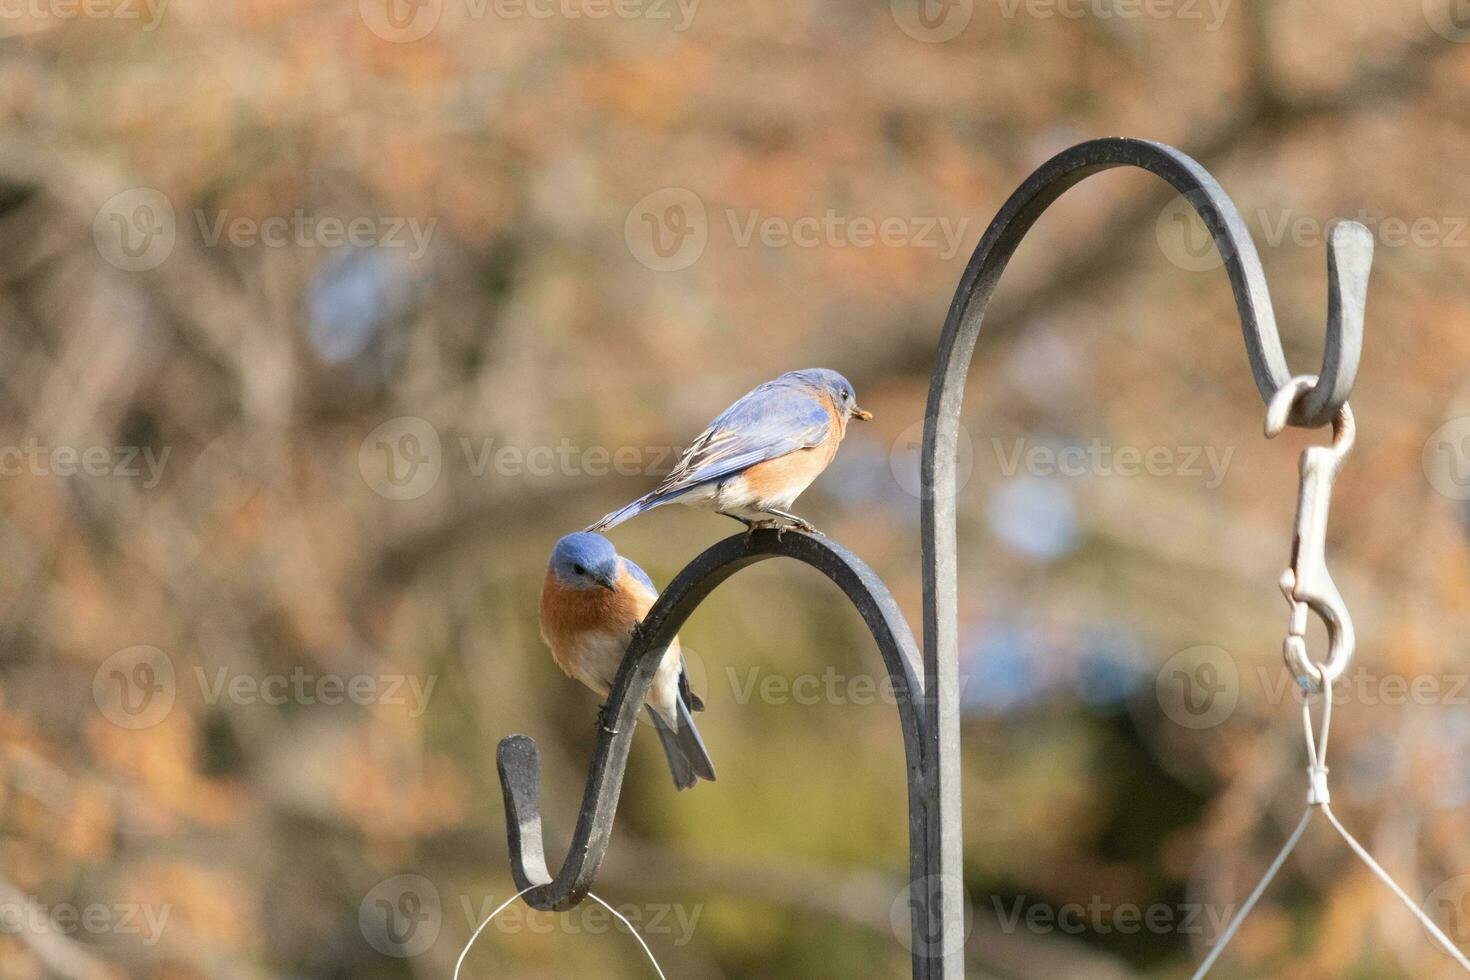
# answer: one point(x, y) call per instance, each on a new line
point(756, 458)
point(591, 603)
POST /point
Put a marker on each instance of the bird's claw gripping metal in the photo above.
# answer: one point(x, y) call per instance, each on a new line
point(1306, 582)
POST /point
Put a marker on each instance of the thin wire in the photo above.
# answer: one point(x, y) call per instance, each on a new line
point(1255, 897)
point(1409, 903)
point(507, 903)
point(625, 922)
point(1317, 798)
point(503, 906)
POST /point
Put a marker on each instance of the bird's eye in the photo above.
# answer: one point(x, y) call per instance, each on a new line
point(579, 569)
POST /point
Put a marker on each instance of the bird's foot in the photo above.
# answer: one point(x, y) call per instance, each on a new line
point(603, 722)
point(792, 521)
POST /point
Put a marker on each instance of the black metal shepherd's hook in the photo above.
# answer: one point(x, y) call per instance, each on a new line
point(928, 701)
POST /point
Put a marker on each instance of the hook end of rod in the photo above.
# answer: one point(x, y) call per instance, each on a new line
point(519, 762)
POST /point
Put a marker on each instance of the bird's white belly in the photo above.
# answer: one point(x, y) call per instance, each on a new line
point(734, 495)
point(598, 657)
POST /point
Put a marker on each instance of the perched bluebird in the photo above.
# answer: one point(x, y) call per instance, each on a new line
point(753, 461)
point(592, 601)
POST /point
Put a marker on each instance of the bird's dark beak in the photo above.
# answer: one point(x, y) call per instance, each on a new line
point(608, 582)
point(866, 416)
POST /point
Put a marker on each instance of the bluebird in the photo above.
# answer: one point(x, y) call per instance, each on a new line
point(591, 603)
point(756, 458)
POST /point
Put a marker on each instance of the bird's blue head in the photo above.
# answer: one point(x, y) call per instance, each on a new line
point(586, 561)
point(835, 386)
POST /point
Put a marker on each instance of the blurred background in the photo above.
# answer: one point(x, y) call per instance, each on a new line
point(323, 320)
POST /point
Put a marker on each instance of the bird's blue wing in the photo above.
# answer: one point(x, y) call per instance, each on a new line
point(771, 421)
point(639, 574)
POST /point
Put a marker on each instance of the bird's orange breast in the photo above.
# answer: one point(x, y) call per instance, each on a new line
point(771, 477)
point(567, 614)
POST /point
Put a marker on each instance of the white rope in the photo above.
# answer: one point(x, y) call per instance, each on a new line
point(658, 969)
point(1409, 903)
point(507, 903)
point(503, 906)
point(1317, 798)
point(1250, 903)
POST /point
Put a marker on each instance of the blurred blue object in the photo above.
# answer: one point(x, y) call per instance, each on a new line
point(1111, 668)
point(1035, 517)
point(1000, 670)
point(354, 292)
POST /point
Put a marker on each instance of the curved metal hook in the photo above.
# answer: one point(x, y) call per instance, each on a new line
point(519, 760)
point(1349, 257)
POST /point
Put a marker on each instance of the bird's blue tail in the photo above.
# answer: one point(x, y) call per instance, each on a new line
point(646, 502)
point(688, 759)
